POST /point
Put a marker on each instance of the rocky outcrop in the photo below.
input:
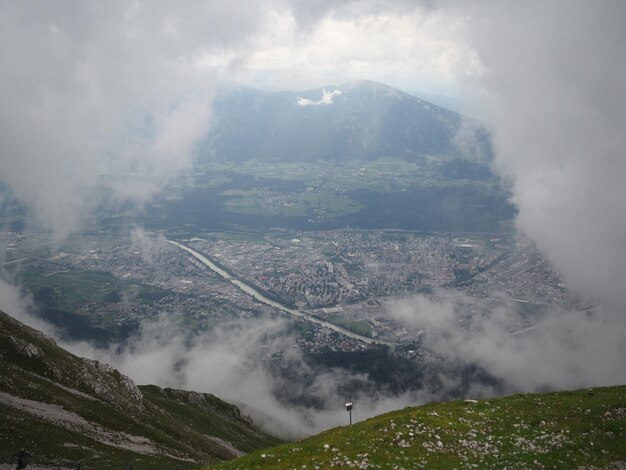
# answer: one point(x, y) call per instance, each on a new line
point(25, 348)
point(111, 386)
point(209, 403)
point(35, 353)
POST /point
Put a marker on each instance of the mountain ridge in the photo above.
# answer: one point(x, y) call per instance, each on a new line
point(355, 120)
point(66, 409)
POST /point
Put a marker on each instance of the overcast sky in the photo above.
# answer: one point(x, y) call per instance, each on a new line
point(411, 48)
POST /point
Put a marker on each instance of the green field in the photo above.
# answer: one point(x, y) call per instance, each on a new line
point(358, 327)
point(385, 173)
point(321, 205)
point(64, 288)
point(426, 193)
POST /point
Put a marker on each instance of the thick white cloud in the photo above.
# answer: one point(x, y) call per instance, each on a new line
point(550, 87)
point(104, 88)
point(554, 76)
point(410, 48)
point(556, 350)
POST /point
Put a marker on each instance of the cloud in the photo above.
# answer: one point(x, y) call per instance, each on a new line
point(422, 312)
point(104, 99)
point(15, 302)
point(538, 352)
point(403, 44)
point(551, 89)
point(234, 362)
point(548, 87)
point(153, 248)
point(17, 305)
point(472, 141)
point(327, 98)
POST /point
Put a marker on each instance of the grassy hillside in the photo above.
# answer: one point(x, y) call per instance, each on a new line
point(581, 429)
point(66, 410)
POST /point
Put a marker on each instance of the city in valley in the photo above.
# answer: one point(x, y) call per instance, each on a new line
point(341, 284)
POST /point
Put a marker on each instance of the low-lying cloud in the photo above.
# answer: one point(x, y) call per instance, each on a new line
point(551, 89)
point(233, 361)
point(152, 248)
point(525, 351)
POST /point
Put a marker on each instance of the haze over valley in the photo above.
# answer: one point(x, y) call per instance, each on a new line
point(259, 201)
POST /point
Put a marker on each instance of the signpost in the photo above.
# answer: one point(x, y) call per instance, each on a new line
point(349, 410)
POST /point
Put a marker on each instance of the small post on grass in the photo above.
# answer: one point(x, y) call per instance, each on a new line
point(349, 410)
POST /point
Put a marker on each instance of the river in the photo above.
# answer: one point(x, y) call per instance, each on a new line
point(248, 289)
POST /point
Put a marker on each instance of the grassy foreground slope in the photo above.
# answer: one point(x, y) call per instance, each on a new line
point(66, 410)
point(565, 430)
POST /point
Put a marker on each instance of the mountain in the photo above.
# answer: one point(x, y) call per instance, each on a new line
point(361, 154)
point(65, 410)
point(581, 429)
point(357, 120)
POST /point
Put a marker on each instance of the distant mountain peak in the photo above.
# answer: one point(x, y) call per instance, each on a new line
point(367, 84)
point(357, 120)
